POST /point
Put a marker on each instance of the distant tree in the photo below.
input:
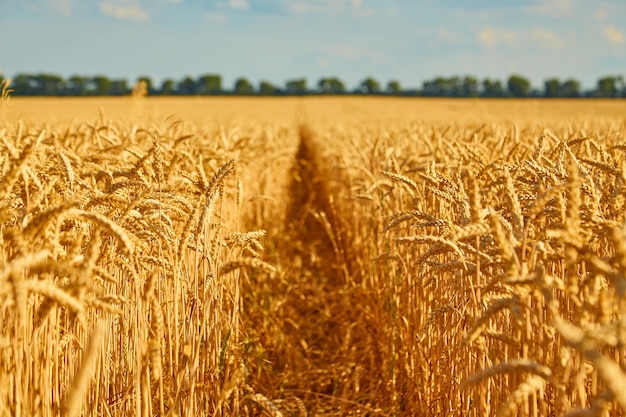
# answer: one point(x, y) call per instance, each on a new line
point(469, 86)
point(493, 88)
point(243, 87)
point(101, 85)
point(187, 86)
point(78, 85)
point(119, 87)
point(168, 87)
point(393, 87)
point(49, 85)
point(37, 84)
point(621, 86)
point(209, 84)
point(296, 86)
point(435, 87)
point(411, 92)
point(24, 85)
point(518, 86)
point(266, 88)
point(552, 87)
point(444, 87)
point(466, 86)
point(369, 86)
point(331, 85)
point(429, 88)
point(457, 86)
point(607, 87)
point(569, 88)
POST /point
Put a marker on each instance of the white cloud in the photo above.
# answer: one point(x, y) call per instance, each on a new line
point(492, 37)
point(130, 12)
point(546, 38)
point(324, 62)
point(354, 7)
point(214, 17)
point(298, 7)
point(449, 37)
point(355, 54)
point(312, 6)
point(63, 7)
point(239, 4)
point(495, 37)
point(613, 34)
point(359, 10)
point(552, 8)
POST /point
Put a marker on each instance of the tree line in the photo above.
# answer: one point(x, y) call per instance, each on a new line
point(211, 84)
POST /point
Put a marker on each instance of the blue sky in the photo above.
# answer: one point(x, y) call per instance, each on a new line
point(275, 40)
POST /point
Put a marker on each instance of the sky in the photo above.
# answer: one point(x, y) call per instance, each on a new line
point(277, 40)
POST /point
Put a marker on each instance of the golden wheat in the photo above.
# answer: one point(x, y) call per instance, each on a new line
point(393, 265)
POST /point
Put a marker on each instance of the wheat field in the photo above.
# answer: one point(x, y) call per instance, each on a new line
point(312, 256)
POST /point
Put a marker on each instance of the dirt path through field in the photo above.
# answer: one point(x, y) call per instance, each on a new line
point(321, 360)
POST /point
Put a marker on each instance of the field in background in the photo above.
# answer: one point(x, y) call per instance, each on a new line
point(331, 110)
point(320, 256)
